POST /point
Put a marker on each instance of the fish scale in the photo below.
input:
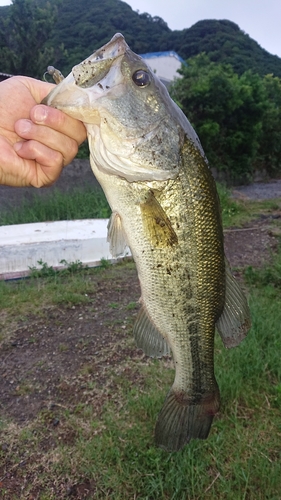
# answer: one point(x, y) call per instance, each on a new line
point(165, 207)
point(182, 281)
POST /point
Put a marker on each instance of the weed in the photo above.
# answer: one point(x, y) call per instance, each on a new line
point(268, 276)
point(78, 204)
point(63, 347)
point(132, 305)
point(104, 263)
point(229, 207)
point(239, 212)
point(73, 267)
point(113, 305)
point(45, 272)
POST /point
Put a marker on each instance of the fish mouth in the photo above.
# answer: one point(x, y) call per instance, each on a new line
point(97, 66)
point(97, 73)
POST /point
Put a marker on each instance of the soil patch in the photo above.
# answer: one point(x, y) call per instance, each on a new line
point(65, 357)
point(48, 359)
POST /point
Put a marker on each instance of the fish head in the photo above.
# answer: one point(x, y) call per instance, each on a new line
point(135, 130)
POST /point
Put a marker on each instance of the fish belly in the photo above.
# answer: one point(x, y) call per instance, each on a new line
point(174, 231)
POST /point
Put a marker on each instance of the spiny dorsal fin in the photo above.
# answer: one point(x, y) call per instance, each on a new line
point(235, 321)
point(157, 223)
point(148, 338)
point(116, 236)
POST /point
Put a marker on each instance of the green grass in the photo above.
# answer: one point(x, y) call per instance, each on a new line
point(78, 204)
point(268, 278)
point(240, 459)
point(114, 452)
point(91, 203)
point(44, 288)
point(231, 210)
point(239, 212)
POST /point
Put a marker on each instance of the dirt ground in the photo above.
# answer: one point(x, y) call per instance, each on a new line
point(42, 352)
point(45, 362)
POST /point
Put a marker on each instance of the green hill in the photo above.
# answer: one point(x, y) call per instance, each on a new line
point(225, 42)
point(81, 27)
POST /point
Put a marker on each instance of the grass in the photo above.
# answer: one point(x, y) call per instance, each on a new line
point(240, 459)
point(78, 204)
point(239, 212)
point(28, 296)
point(91, 203)
point(113, 452)
point(104, 442)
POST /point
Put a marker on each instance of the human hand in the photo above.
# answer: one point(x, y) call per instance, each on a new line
point(36, 141)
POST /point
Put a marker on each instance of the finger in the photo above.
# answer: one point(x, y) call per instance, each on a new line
point(37, 88)
point(33, 150)
point(48, 137)
point(57, 120)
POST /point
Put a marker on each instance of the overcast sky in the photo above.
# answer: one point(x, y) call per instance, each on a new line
point(261, 19)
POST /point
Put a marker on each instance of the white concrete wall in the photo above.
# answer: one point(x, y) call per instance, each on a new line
point(23, 245)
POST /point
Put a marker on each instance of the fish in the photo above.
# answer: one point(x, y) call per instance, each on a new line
point(152, 168)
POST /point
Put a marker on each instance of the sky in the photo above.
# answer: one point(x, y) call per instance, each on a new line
point(260, 19)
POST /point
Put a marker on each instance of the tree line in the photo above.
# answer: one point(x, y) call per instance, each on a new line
point(229, 89)
point(38, 33)
point(237, 117)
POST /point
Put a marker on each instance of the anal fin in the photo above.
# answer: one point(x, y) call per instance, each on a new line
point(235, 321)
point(148, 338)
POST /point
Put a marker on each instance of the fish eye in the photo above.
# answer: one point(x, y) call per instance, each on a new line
point(141, 78)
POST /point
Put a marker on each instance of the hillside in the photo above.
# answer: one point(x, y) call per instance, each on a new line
point(225, 42)
point(82, 27)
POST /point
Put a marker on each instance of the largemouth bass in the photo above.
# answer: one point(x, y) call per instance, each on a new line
point(165, 207)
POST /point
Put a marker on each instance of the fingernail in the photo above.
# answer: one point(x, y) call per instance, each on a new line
point(18, 146)
point(23, 127)
point(40, 114)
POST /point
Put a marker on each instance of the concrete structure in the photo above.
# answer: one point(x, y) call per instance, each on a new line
point(23, 245)
point(164, 64)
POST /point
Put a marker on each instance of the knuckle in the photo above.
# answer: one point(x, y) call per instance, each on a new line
point(57, 118)
point(71, 150)
point(57, 160)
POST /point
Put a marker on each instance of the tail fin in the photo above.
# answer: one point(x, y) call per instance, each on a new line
point(179, 422)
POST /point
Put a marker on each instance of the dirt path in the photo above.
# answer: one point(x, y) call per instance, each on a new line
point(259, 190)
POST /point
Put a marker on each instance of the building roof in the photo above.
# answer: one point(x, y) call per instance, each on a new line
point(169, 53)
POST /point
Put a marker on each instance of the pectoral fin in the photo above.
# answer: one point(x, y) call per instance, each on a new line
point(235, 322)
point(148, 338)
point(116, 236)
point(157, 223)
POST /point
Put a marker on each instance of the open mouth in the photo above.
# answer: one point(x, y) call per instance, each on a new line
point(96, 67)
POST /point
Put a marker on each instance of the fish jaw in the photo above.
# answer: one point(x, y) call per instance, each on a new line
point(128, 121)
point(72, 94)
point(69, 98)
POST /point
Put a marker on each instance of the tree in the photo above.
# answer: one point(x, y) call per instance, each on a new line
point(226, 111)
point(27, 27)
point(269, 151)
